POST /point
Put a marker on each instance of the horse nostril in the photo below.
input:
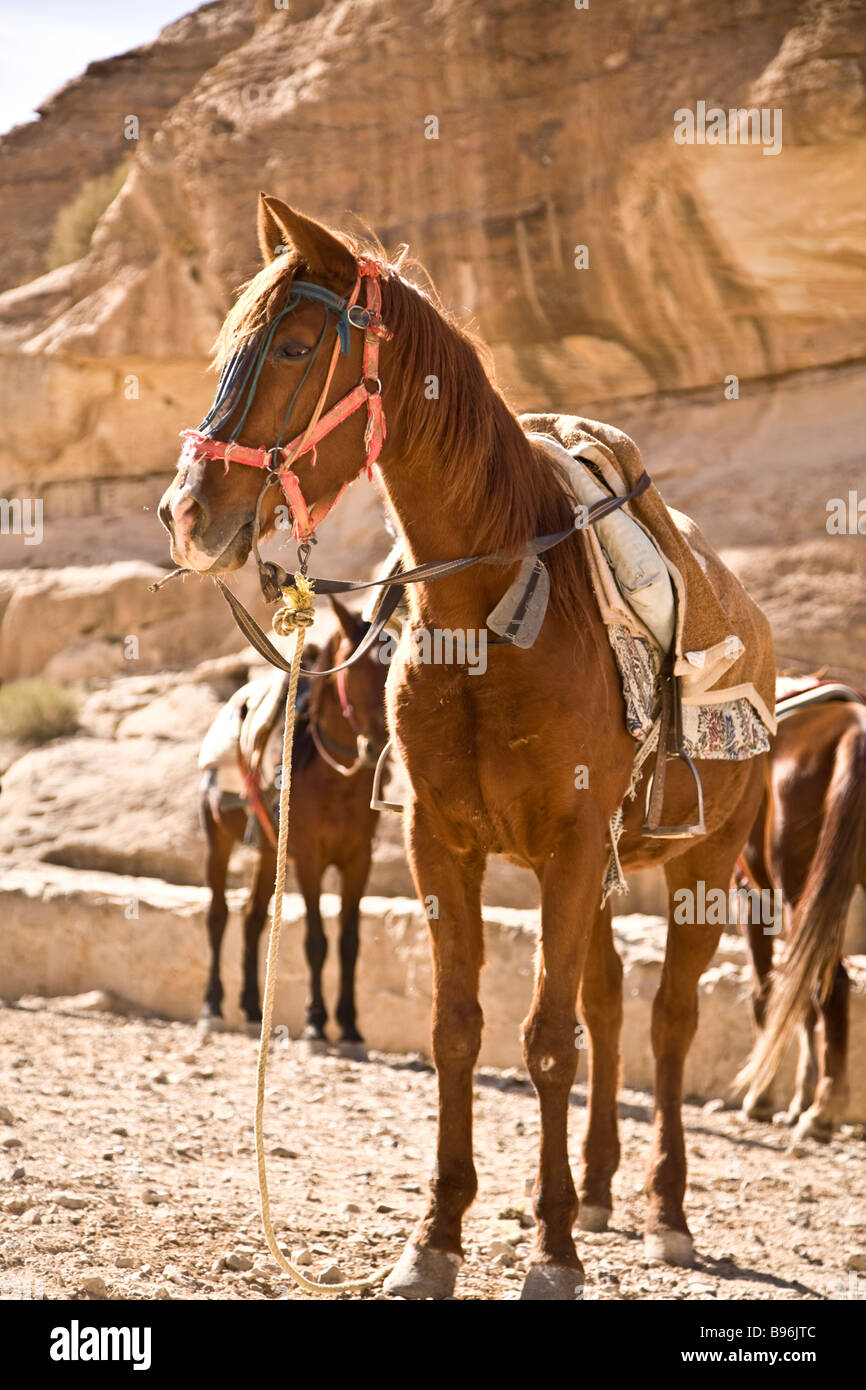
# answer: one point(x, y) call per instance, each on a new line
point(185, 513)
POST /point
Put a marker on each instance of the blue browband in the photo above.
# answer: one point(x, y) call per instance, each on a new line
point(244, 367)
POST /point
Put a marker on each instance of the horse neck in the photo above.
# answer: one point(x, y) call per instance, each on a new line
point(438, 517)
point(329, 714)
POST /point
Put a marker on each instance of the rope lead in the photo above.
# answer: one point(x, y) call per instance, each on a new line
point(295, 616)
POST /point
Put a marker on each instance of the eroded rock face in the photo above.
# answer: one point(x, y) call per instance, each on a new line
point(80, 133)
point(97, 621)
point(703, 260)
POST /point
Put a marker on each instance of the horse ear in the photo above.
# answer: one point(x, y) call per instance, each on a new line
point(348, 621)
point(271, 234)
point(322, 252)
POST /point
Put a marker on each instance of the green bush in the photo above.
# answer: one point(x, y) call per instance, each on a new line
point(34, 711)
point(76, 222)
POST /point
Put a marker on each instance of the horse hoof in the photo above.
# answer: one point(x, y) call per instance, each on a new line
point(353, 1051)
point(811, 1125)
point(316, 1046)
point(252, 1028)
point(759, 1108)
point(422, 1272)
point(670, 1248)
point(552, 1284)
point(591, 1218)
point(210, 1023)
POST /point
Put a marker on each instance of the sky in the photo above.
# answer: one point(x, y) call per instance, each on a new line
point(44, 43)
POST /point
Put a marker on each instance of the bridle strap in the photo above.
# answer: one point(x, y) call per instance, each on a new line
point(278, 461)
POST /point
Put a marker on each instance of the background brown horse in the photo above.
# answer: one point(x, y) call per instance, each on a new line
point(331, 823)
point(809, 840)
point(490, 761)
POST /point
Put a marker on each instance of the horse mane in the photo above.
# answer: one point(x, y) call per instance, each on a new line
point(508, 489)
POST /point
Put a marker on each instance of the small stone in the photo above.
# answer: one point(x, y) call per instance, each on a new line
point(279, 1152)
point(33, 1218)
point(160, 1078)
point(19, 1174)
point(856, 1262)
point(348, 1208)
point(502, 1253)
point(383, 1208)
point(70, 1201)
point(125, 1262)
point(95, 1285)
point(237, 1260)
point(331, 1274)
point(11, 1144)
point(16, 1206)
point(6, 1116)
point(152, 1198)
point(119, 1129)
point(301, 1257)
point(204, 1073)
point(174, 1274)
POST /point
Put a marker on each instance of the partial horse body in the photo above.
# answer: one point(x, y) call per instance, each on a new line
point(809, 840)
point(340, 733)
point(491, 762)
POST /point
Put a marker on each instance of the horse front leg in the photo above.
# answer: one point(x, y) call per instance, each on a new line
point(570, 890)
point(218, 853)
point(353, 878)
point(309, 876)
point(449, 886)
point(601, 1007)
point(254, 920)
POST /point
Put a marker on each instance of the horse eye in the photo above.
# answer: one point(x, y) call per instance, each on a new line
point(291, 350)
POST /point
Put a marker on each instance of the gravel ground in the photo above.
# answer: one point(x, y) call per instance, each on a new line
point(127, 1171)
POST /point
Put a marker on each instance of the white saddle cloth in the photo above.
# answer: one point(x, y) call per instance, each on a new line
point(640, 572)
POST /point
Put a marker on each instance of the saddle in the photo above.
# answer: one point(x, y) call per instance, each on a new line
point(794, 693)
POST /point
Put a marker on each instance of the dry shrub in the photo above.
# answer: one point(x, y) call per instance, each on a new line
point(36, 710)
point(77, 221)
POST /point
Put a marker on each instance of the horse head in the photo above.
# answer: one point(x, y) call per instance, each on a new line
point(294, 378)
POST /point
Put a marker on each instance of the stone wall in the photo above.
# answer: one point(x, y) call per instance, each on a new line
point(67, 931)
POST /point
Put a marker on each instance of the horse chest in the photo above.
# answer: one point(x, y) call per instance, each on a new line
point(478, 761)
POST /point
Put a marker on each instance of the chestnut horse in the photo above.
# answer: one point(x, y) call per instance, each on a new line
point(490, 761)
point(339, 736)
point(809, 840)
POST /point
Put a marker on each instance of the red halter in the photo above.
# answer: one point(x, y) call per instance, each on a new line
point(368, 392)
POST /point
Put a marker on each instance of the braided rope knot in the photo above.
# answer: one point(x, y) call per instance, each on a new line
point(297, 610)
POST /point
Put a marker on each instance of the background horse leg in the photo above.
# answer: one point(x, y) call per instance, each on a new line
point(831, 1096)
point(257, 910)
point(690, 948)
point(448, 884)
point(353, 878)
point(807, 1070)
point(601, 1007)
point(758, 1105)
point(309, 875)
point(217, 854)
point(570, 889)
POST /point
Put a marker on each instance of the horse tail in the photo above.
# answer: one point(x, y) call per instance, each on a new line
point(815, 948)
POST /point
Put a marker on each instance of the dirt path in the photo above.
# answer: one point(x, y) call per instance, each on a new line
point(127, 1172)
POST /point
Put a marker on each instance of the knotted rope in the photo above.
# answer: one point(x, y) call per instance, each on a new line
point(295, 616)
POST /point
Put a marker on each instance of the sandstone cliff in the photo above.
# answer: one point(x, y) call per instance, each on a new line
point(555, 130)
